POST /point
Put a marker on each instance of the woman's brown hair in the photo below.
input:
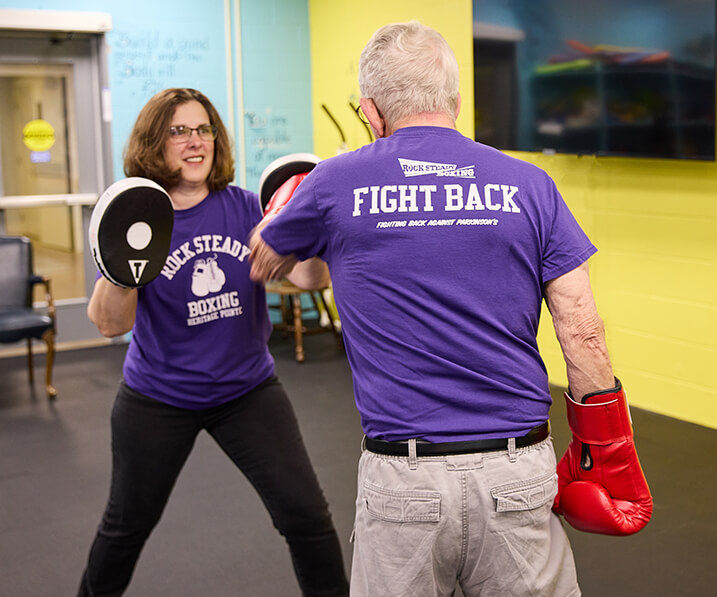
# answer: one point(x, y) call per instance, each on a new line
point(144, 153)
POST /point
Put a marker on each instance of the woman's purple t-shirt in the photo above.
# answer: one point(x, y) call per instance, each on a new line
point(202, 326)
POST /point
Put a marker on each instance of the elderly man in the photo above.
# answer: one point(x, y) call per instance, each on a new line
point(441, 251)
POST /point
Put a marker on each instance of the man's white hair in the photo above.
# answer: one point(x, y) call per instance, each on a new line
point(408, 69)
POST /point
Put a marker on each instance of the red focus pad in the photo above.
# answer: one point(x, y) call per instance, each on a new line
point(601, 486)
point(283, 194)
point(281, 170)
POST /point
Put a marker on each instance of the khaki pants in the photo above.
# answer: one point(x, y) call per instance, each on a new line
point(482, 520)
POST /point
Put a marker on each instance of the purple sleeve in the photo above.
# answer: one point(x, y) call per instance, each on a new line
point(566, 246)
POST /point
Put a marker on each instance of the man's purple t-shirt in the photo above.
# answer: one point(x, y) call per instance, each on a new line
point(438, 249)
point(202, 326)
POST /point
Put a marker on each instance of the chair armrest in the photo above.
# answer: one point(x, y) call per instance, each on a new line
point(45, 281)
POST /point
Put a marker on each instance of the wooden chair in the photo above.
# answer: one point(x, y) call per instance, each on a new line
point(18, 318)
point(292, 313)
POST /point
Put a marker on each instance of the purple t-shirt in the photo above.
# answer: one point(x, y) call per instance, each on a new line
point(202, 326)
point(438, 249)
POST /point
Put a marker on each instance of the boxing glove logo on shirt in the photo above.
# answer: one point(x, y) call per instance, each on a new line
point(207, 276)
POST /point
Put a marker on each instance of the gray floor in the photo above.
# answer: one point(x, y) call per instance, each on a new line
point(216, 539)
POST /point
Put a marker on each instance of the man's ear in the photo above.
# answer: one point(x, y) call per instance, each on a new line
point(375, 118)
point(458, 105)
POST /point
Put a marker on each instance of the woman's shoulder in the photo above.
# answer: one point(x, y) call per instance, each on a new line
point(235, 193)
point(240, 200)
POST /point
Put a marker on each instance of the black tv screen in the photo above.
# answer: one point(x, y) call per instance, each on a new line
point(599, 77)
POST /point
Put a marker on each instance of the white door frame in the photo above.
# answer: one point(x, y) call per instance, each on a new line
point(77, 39)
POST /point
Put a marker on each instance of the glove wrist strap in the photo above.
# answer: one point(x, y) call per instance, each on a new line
point(603, 423)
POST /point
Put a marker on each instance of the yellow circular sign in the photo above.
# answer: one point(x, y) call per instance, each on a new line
point(38, 135)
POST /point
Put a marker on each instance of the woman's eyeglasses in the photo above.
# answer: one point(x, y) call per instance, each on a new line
point(181, 133)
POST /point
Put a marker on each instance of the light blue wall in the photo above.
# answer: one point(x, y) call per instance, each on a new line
point(277, 81)
point(154, 45)
point(152, 49)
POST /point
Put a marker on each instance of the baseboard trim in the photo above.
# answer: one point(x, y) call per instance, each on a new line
point(39, 347)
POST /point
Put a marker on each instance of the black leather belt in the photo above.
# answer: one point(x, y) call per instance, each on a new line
point(535, 435)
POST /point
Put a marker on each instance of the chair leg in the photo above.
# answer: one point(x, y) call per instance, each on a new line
point(337, 334)
point(49, 338)
point(30, 367)
point(285, 311)
point(312, 294)
point(298, 327)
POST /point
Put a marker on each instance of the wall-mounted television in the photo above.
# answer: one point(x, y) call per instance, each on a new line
point(598, 77)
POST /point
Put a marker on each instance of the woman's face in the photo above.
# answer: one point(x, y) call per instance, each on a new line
point(193, 154)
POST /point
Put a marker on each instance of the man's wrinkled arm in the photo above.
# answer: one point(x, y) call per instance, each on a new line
point(311, 274)
point(580, 332)
point(267, 264)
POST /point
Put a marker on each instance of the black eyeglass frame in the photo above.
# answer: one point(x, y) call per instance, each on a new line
point(360, 114)
point(181, 133)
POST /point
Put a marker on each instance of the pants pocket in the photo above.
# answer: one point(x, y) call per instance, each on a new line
point(396, 532)
point(528, 494)
point(401, 505)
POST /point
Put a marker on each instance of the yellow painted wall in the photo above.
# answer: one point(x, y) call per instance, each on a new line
point(654, 276)
point(340, 30)
point(653, 221)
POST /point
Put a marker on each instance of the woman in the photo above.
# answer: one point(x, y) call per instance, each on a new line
point(198, 359)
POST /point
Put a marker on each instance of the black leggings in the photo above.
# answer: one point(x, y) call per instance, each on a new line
point(259, 432)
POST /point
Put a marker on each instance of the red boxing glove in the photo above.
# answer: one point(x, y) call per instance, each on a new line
point(601, 486)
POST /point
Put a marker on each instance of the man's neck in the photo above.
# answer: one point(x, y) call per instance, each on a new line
point(425, 119)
